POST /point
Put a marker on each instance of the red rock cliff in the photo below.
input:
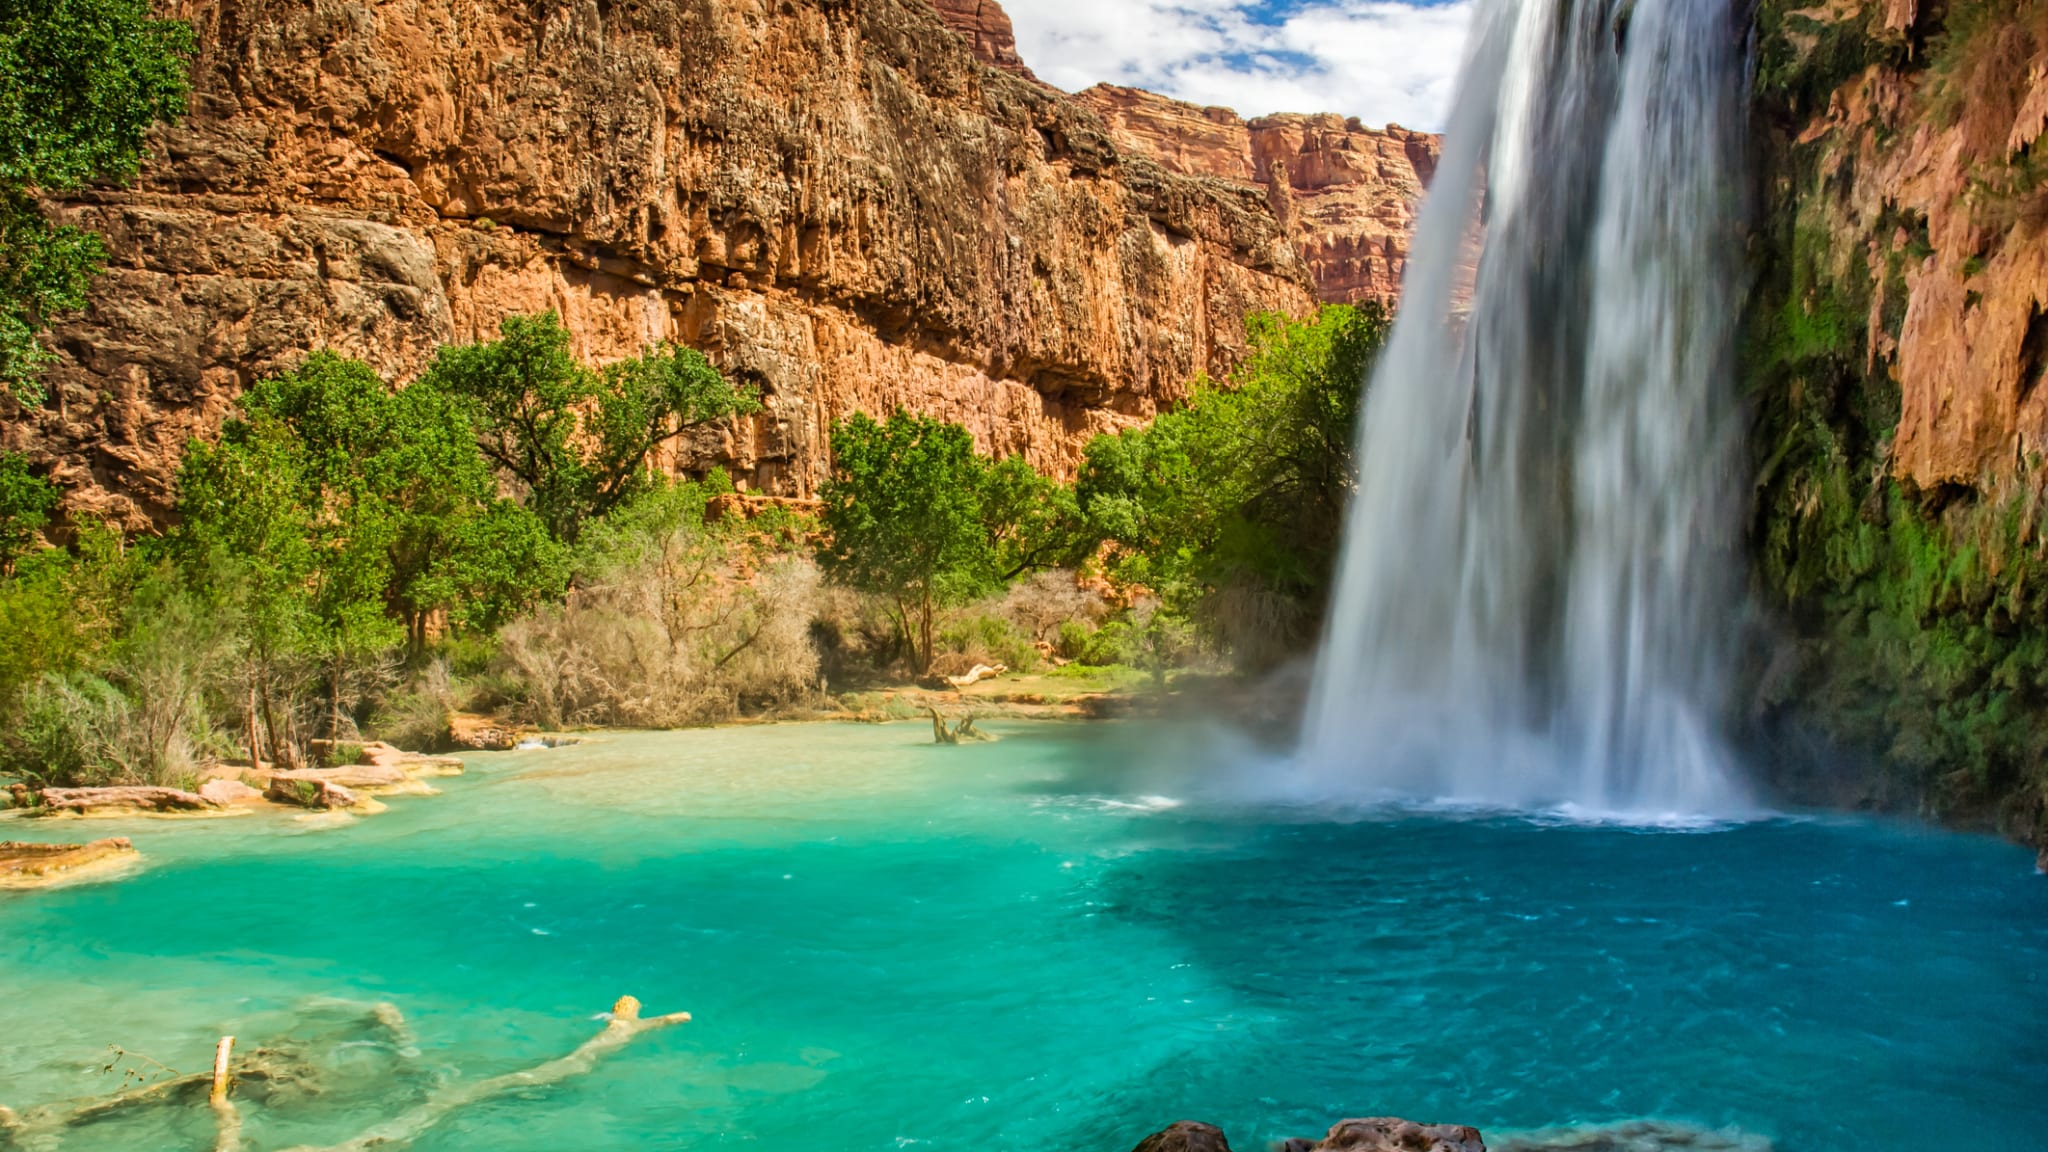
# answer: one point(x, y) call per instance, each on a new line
point(1346, 194)
point(836, 200)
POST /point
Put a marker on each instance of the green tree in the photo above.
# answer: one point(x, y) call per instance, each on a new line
point(352, 513)
point(904, 519)
point(26, 501)
point(1231, 508)
point(81, 81)
point(579, 440)
point(1033, 521)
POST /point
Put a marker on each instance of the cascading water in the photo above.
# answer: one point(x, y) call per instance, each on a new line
point(1535, 590)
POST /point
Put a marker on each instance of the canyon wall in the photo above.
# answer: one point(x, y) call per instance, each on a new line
point(1346, 194)
point(846, 203)
point(1896, 344)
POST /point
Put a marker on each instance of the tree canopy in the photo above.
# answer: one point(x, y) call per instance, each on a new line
point(579, 439)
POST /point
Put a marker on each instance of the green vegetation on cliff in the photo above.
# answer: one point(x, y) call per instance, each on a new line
point(1914, 622)
point(1231, 508)
point(81, 81)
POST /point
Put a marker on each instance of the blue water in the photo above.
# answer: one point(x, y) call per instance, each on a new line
point(891, 945)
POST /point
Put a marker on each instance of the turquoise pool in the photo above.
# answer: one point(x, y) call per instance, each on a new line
point(1035, 944)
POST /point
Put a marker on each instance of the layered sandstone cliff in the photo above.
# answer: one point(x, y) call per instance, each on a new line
point(1346, 194)
point(837, 201)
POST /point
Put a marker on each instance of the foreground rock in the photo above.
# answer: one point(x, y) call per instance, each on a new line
point(1389, 1134)
point(130, 798)
point(1185, 1136)
point(1376, 1134)
point(42, 865)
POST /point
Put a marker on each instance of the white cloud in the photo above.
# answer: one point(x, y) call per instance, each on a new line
point(1379, 60)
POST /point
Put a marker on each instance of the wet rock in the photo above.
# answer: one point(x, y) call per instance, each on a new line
point(24, 865)
point(1185, 1136)
point(1390, 1134)
point(125, 798)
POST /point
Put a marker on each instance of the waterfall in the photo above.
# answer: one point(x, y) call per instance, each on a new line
point(1537, 588)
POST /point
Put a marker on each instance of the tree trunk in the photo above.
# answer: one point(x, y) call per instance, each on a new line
point(924, 631)
point(255, 747)
point(269, 719)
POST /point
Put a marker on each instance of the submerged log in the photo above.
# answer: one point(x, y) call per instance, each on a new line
point(127, 797)
point(965, 732)
point(263, 1074)
point(625, 1024)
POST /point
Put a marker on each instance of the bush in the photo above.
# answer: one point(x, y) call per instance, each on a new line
point(673, 624)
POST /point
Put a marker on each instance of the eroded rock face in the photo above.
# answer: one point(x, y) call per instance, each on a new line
point(837, 202)
point(987, 29)
point(1346, 194)
point(1916, 203)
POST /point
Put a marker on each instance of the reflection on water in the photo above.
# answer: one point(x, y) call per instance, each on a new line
point(1038, 943)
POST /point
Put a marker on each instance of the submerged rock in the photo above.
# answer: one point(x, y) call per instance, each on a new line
point(25, 865)
point(1633, 1136)
point(125, 798)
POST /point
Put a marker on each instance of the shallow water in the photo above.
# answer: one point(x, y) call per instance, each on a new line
point(888, 944)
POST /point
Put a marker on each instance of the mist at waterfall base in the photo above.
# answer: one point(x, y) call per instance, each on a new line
point(1535, 593)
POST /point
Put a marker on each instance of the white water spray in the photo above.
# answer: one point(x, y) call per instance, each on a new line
point(1536, 589)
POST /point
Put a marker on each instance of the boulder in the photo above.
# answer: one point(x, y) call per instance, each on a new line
point(125, 798)
point(307, 788)
point(39, 865)
point(1185, 1136)
point(481, 733)
point(1389, 1134)
point(229, 792)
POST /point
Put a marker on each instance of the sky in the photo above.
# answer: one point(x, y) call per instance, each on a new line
point(1379, 60)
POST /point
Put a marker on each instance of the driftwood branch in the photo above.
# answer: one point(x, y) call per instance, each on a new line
point(227, 1123)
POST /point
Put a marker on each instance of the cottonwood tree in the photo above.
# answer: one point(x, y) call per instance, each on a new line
point(350, 513)
point(903, 516)
point(579, 440)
